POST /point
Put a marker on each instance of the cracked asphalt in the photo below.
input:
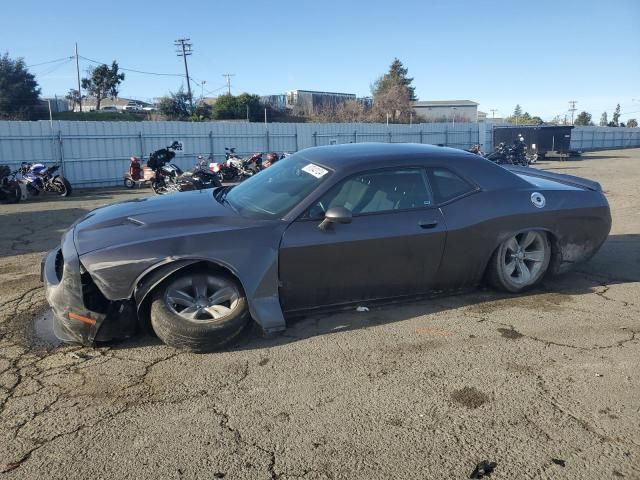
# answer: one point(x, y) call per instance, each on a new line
point(546, 384)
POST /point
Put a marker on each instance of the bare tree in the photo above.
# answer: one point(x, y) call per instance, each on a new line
point(394, 101)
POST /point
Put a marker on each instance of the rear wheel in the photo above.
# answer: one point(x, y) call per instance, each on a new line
point(520, 262)
point(129, 183)
point(13, 193)
point(199, 311)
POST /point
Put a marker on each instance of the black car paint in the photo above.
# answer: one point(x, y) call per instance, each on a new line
point(289, 265)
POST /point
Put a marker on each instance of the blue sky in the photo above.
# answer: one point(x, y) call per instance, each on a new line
point(540, 54)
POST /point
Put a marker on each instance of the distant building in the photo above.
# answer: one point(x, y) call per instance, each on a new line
point(446, 110)
point(306, 102)
point(58, 104)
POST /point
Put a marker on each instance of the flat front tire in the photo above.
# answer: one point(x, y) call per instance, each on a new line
point(199, 311)
point(520, 262)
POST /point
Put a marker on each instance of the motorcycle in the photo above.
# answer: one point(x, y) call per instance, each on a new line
point(165, 174)
point(137, 175)
point(40, 178)
point(271, 158)
point(10, 191)
point(199, 178)
point(514, 154)
point(240, 168)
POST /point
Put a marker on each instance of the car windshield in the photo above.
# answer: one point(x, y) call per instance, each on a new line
point(277, 189)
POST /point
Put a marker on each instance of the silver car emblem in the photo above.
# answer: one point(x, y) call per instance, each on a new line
point(538, 199)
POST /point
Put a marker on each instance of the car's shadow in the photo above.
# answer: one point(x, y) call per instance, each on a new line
point(617, 262)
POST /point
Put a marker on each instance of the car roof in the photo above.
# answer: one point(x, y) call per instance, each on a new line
point(353, 157)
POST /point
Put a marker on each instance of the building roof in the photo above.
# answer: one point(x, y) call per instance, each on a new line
point(445, 103)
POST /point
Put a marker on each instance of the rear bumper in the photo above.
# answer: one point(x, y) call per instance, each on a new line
point(73, 320)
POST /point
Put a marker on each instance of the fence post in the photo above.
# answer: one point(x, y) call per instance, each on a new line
point(421, 135)
point(296, 138)
point(446, 135)
point(315, 139)
point(61, 147)
point(211, 144)
point(355, 136)
point(266, 134)
point(141, 145)
point(390, 136)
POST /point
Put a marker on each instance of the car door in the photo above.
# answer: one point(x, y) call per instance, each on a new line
point(392, 247)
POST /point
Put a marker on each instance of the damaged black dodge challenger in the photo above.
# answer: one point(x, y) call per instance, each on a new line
point(324, 228)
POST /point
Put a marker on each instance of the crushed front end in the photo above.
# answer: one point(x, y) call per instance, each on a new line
point(82, 314)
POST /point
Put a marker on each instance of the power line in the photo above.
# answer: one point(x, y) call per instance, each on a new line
point(133, 70)
point(54, 68)
point(50, 61)
point(184, 50)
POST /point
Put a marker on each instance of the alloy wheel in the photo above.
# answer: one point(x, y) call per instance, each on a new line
point(201, 297)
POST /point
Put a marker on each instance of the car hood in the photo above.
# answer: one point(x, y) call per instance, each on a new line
point(152, 218)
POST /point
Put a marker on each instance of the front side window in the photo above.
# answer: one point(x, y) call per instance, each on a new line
point(375, 192)
point(446, 185)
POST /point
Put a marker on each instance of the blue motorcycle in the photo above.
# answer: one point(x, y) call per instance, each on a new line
point(40, 178)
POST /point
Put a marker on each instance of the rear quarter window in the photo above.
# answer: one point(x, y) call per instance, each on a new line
point(447, 185)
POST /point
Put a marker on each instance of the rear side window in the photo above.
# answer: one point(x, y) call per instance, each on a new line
point(446, 185)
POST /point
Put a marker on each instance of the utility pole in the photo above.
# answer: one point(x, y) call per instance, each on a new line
point(572, 103)
point(228, 76)
point(202, 88)
point(78, 72)
point(493, 112)
point(184, 50)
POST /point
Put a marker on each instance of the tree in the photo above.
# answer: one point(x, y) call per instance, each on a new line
point(103, 81)
point(393, 101)
point(175, 106)
point(397, 75)
point(632, 123)
point(19, 92)
point(616, 116)
point(517, 112)
point(603, 119)
point(393, 94)
point(584, 118)
point(74, 98)
point(525, 118)
point(228, 107)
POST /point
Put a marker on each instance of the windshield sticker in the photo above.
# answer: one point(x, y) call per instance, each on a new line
point(315, 170)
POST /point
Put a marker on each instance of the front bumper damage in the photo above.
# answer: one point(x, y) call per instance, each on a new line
point(81, 314)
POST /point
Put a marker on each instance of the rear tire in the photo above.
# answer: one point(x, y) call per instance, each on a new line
point(13, 194)
point(199, 311)
point(520, 262)
point(129, 183)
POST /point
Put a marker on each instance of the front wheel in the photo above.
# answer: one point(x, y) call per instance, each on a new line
point(62, 186)
point(129, 183)
point(199, 311)
point(520, 262)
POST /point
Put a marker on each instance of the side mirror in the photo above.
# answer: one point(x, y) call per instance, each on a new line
point(335, 215)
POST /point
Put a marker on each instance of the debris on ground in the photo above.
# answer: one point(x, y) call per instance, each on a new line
point(598, 375)
point(362, 309)
point(483, 469)
point(558, 461)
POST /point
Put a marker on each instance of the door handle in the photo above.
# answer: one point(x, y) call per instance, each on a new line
point(428, 223)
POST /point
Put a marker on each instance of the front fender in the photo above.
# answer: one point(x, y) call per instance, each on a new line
point(155, 277)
